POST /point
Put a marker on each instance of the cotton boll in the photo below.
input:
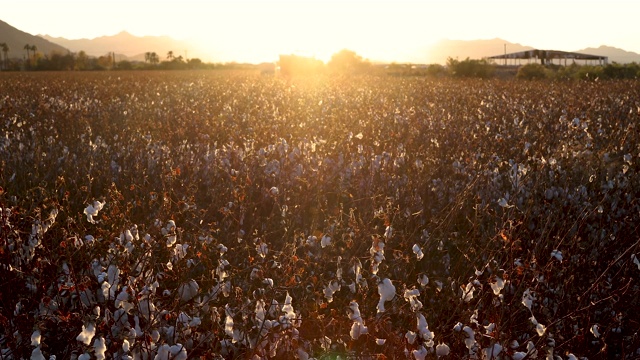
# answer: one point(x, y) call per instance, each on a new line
point(188, 291)
point(357, 329)
point(262, 249)
point(381, 341)
point(557, 254)
point(171, 239)
point(458, 327)
point(99, 348)
point(163, 353)
point(442, 350)
point(595, 330)
point(87, 334)
point(635, 260)
point(35, 338)
point(412, 297)
point(528, 298)
point(387, 292)
point(84, 356)
point(418, 251)
point(92, 210)
point(423, 280)
point(467, 292)
point(504, 203)
point(471, 337)
point(388, 232)
point(497, 286)
point(36, 354)
point(423, 329)
point(325, 241)
point(331, 289)
point(125, 345)
point(540, 329)
point(178, 352)
point(420, 353)
point(492, 352)
point(411, 337)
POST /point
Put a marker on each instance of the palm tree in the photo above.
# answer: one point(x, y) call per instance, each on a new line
point(28, 48)
point(34, 49)
point(147, 56)
point(170, 55)
point(5, 50)
point(154, 58)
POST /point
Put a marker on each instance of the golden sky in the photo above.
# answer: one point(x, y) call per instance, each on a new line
point(380, 30)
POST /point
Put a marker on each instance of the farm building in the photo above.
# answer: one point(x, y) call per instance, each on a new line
point(546, 57)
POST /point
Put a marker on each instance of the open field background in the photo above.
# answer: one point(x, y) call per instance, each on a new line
point(198, 214)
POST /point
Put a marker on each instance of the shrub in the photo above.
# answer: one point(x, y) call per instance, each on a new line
point(533, 71)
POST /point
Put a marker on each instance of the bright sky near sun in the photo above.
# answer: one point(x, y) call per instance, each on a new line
point(381, 30)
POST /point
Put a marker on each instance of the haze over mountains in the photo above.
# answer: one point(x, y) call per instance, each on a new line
point(129, 47)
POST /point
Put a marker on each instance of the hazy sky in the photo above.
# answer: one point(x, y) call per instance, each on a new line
point(379, 30)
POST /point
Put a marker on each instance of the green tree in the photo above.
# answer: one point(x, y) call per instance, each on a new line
point(82, 61)
point(470, 68)
point(347, 62)
point(147, 57)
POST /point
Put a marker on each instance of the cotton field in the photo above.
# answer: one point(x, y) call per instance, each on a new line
point(218, 215)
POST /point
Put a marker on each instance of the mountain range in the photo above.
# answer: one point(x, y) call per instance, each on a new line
point(17, 39)
point(129, 47)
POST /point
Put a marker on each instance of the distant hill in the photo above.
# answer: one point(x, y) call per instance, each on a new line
point(614, 54)
point(17, 39)
point(128, 46)
point(473, 49)
point(478, 49)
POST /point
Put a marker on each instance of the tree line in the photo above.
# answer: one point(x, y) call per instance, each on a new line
point(34, 60)
point(343, 62)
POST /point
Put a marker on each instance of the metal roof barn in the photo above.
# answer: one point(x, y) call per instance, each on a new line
point(547, 57)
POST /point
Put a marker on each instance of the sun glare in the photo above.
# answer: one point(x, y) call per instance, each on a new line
point(260, 31)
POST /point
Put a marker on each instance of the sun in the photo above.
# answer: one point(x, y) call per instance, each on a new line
point(260, 31)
